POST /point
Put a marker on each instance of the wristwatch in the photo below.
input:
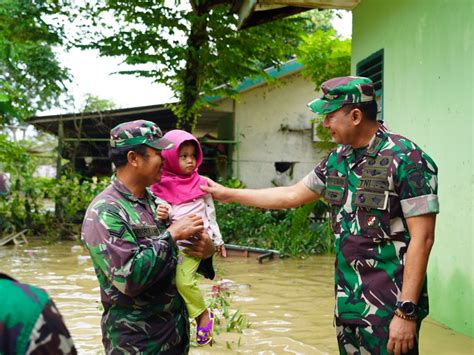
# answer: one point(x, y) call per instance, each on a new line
point(408, 308)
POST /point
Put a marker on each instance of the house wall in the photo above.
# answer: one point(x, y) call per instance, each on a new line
point(428, 97)
point(259, 114)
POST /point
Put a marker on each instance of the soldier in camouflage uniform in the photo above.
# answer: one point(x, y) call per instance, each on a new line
point(382, 189)
point(134, 256)
point(30, 322)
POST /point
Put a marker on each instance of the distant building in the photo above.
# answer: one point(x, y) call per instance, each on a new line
point(48, 171)
point(263, 138)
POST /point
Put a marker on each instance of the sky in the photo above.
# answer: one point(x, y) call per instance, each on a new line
point(94, 75)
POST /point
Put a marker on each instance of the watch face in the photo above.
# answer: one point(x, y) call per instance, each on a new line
point(409, 308)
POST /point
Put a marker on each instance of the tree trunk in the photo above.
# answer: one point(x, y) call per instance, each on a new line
point(192, 76)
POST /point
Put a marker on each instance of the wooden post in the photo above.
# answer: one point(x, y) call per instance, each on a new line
point(57, 202)
point(60, 148)
point(78, 141)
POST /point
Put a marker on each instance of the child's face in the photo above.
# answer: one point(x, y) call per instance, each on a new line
point(187, 158)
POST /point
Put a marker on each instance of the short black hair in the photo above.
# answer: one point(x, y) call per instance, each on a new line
point(190, 142)
point(368, 109)
point(118, 155)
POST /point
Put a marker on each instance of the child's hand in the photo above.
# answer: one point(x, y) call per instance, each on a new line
point(221, 250)
point(162, 211)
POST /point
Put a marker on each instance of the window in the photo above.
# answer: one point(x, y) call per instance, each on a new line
point(372, 67)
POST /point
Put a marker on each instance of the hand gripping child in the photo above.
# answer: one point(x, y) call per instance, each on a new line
point(178, 194)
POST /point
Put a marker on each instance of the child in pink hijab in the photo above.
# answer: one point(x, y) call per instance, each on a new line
point(178, 194)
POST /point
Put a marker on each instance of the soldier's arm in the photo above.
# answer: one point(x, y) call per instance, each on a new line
point(402, 332)
point(49, 334)
point(422, 232)
point(270, 198)
point(417, 186)
point(131, 267)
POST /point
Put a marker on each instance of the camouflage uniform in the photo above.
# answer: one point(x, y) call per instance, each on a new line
point(372, 191)
point(135, 260)
point(30, 322)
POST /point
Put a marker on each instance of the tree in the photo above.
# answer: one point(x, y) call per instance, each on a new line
point(324, 56)
point(31, 77)
point(197, 51)
point(93, 103)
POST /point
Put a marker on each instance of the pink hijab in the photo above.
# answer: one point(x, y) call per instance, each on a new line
point(174, 186)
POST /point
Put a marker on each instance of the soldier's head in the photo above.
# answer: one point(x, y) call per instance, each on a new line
point(138, 145)
point(348, 104)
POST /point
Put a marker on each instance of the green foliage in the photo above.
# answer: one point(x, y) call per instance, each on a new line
point(225, 318)
point(294, 232)
point(20, 166)
point(94, 103)
point(317, 20)
point(31, 78)
point(75, 194)
point(325, 56)
point(301, 231)
point(197, 52)
point(30, 203)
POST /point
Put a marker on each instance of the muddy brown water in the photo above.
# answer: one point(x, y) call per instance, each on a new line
point(289, 302)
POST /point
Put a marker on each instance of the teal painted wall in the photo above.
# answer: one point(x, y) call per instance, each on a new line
point(428, 97)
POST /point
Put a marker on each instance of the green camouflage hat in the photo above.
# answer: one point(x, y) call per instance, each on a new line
point(138, 132)
point(341, 91)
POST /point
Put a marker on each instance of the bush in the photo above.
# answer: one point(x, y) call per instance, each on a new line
point(301, 231)
point(32, 206)
point(29, 203)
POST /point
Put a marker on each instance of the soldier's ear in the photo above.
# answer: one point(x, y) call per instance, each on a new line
point(132, 158)
point(356, 116)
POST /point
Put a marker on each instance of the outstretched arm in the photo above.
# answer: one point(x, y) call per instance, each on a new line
point(271, 198)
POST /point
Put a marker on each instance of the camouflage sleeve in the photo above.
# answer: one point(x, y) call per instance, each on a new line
point(416, 184)
point(316, 179)
point(131, 266)
point(49, 334)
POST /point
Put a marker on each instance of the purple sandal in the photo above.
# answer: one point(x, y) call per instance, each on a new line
point(204, 334)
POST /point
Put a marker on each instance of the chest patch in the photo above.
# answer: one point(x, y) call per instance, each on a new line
point(144, 231)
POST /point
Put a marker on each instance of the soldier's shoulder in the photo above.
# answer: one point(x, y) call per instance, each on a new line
point(401, 144)
point(407, 150)
point(8, 280)
point(105, 205)
point(108, 197)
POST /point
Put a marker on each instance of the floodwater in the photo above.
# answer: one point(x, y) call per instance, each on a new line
point(288, 302)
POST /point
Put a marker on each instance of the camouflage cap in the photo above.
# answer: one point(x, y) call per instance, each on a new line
point(138, 132)
point(338, 92)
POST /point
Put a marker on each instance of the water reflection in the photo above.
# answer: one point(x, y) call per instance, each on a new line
point(288, 302)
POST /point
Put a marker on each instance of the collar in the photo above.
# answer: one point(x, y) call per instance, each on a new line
point(125, 192)
point(375, 144)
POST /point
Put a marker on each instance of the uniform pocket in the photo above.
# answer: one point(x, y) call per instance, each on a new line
point(334, 193)
point(374, 223)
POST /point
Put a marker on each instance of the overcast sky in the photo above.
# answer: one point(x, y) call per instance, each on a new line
point(92, 74)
